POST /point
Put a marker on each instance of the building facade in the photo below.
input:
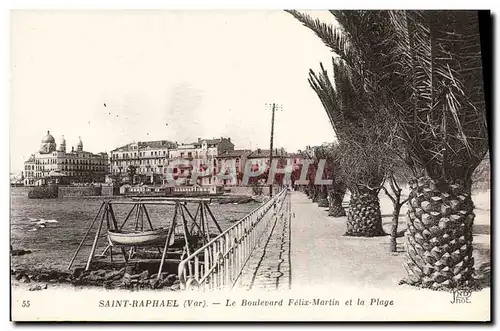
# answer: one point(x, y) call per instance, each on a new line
point(231, 161)
point(148, 158)
point(260, 157)
point(52, 164)
point(202, 149)
point(152, 158)
point(203, 153)
point(259, 162)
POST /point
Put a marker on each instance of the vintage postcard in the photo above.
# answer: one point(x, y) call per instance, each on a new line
point(250, 165)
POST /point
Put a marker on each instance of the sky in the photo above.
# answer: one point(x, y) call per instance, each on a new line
point(113, 77)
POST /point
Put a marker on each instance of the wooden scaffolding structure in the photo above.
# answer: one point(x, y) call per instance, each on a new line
point(197, 226)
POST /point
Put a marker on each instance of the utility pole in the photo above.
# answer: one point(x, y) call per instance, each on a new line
point(273, 109)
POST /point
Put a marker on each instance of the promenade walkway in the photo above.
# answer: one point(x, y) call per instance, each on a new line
point(322, 255)
point(268, 268)
point(306, 251)
point(305, 247)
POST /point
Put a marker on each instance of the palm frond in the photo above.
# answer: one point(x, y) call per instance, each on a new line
point(448, 102)
point(333, 37)
point(421, 71)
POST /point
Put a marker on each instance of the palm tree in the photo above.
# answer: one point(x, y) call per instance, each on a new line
point(359, 120)
point(361, 133)
point(424, 68)
point(313, 189)
point(320, 154)
point(336, 191)
point(308, 188)
point(441, 107)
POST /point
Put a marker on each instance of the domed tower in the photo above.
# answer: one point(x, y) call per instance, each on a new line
point(62, 145)
point(48, 144)
point(79, 146)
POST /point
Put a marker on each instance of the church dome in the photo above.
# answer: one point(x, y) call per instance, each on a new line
point(79, 146)
point(62, 145)
point(48, 138)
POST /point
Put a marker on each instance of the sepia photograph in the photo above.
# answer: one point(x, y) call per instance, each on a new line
point(250, 165)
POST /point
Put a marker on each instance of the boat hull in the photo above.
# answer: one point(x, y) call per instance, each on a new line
point(146, 238)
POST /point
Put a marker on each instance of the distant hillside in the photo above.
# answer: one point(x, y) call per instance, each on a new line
point(481, 178)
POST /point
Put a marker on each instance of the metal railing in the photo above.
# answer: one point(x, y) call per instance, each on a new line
point(219, 263)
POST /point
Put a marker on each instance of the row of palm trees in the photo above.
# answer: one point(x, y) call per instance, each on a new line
point(406, 92)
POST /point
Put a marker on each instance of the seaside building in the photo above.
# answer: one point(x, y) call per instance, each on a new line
point(52, 164)
point(204, 152)
point(152, 158)
point(261, 157)
point(234, 160)
point(297, 159)
point(202, 149)
point(148, 158)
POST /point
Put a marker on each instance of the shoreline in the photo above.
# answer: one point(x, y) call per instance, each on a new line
point(217, 198)
point(128, 278)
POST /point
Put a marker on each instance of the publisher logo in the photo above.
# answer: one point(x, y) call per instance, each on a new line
point(461, 296)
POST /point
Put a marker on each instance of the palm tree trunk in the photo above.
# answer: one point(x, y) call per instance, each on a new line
point(363, 217)
point(439, 237)
point(323, 197)
point(315, 195)
point(310, 191)
point(335, 208)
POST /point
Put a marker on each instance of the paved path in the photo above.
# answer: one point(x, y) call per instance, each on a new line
point(306, 248)
point(269, 265)
point(325, 263)
point(322, 255)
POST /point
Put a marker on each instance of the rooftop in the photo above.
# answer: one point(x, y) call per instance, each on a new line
point(235, 153)
point(158, 144)
point(147, 144)
point(212, 141)
point(296, 155)
point(262, 153)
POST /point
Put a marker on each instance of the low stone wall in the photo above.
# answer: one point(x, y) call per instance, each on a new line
point(110, 191)
point(50, 192)
point(84, 191)
point(19, 191)
point(248, 190)
point(43, 192)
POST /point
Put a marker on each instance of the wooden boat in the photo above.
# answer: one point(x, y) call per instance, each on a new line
point(139, 238)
